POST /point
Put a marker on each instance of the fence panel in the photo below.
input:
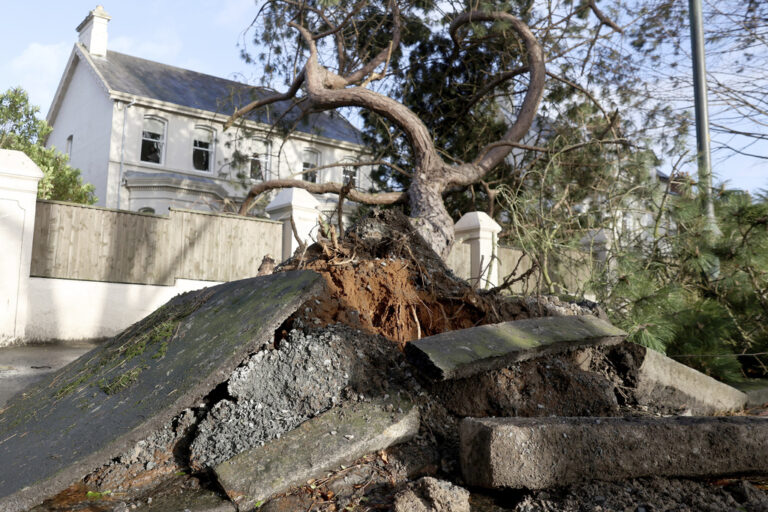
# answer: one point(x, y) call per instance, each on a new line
point(513, 260)
point(98, 244)
point(224, 247)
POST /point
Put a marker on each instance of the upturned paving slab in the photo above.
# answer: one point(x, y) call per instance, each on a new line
point(336, 437)
point(95, 408)
point(538, 453)
point(661, 380)
point(466, 352)
point(23, 365)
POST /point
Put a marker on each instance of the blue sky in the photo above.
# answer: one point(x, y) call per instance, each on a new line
point(193, 34)
point(37, 38)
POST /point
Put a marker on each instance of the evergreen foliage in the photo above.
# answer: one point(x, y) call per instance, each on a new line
point(662, 290)
point(21, 130)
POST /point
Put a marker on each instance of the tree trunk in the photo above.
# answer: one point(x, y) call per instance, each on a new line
point(428, 214)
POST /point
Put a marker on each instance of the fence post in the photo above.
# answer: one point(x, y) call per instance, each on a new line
point(18, 195)
point(302, 206)
point(479, 231)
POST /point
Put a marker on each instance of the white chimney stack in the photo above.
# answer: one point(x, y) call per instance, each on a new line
point(93, 31)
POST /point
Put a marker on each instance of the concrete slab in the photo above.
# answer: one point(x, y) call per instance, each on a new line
point(23, 365)
point(338, 436)
point(756, 391)
point(81, 416)
point(467, 352)
point(538, 453)
point(663, 381)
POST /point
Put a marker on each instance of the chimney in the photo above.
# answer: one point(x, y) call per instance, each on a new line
point(93, 32)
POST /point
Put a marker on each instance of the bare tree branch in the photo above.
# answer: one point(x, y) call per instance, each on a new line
point(384, 55)
point(321, 188)
point(605, 20)
point(290, 93)
point(533, 95)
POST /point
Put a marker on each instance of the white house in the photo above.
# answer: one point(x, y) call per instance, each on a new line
point(149, 136)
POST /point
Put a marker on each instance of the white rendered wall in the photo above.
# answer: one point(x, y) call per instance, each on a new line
point(86, 114)
point(68, 309)
point(286, 160)
point(18, 190)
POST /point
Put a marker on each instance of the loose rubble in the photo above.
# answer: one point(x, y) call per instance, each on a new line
point(432, 495)
point(341, 350)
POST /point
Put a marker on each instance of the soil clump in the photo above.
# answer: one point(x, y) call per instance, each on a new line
point(383, 278)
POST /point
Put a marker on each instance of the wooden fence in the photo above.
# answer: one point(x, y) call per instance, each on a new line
point(98, 244)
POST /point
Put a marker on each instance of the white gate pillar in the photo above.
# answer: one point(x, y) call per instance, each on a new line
point(18, 198)
point(480, 231)
point(300, 205)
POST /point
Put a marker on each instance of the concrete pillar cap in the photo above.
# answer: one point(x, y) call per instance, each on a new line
point(476, 221)
point(17, 164)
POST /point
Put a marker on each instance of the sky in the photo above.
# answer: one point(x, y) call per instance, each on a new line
point(192, 34)
point(204, 36)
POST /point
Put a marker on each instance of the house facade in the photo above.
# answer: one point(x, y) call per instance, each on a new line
point(150, 136)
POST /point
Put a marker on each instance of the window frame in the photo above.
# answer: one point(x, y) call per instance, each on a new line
point(68, 145)
point(354, 168)
point(162, 141)
point(211, 150)
point(265, 159)
point(305, 163)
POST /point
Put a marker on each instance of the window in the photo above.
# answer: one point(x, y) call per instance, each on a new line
point(68, 147)
point(147, 209)
point(349, 173)
point(202, 149)
point(310, 160)
point(153, 140)
point(260, 160)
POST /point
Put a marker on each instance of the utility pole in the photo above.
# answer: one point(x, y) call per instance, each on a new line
point(702, 116)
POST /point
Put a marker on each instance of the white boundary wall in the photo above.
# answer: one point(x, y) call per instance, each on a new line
point(70, 309)
point(45, 309)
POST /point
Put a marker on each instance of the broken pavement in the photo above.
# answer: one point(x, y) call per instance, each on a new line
point(268, 370)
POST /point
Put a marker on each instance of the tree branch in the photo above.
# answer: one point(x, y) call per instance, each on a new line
point(379, 198)
point(290, 93)
point(537, 70)
point(605, 20)
point(384, 55)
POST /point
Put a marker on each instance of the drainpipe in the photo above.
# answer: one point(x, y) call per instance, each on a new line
point(122, 152)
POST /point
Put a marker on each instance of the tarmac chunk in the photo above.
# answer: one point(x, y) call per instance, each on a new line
point(78, 418)
point(538, 453)
point(466, 352)
point(338, 436)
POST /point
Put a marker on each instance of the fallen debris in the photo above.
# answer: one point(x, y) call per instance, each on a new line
point(103, 404)
point(333, 438)
point(644, 494)
point(537, 453)
point(432, 495)
point(657, 380)
point(468, 352)
point(277, 359)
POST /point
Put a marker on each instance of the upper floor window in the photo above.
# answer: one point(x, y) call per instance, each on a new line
point(68, 149)
point(260, 159)
point(310, 159)
point(202, 149)
point(349, 173)
point(153, 140)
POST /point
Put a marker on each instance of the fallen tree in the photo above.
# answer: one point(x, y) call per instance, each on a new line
point(363, 39)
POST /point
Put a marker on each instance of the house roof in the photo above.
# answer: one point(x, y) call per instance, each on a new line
point(141, 77)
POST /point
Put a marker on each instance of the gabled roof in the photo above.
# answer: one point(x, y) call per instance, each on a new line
point(145, 78)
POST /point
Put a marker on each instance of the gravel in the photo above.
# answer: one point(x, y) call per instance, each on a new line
point(276, 390)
